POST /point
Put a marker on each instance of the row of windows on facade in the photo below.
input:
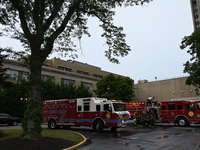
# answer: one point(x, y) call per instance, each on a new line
point(79, 72)
point(21, 75)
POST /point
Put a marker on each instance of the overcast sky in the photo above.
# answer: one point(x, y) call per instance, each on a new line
point(154, 33)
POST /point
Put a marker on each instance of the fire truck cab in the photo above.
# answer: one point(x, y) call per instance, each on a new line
point(96, 112)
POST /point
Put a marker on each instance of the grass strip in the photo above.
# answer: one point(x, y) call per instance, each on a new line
point(63, 134)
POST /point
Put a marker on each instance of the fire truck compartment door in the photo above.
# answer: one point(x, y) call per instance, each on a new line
point(71, 113)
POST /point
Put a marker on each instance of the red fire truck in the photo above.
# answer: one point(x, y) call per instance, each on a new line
point(98, 113)
point(180, 112)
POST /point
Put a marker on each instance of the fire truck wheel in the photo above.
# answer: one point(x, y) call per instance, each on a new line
point(52, 124)
point(98, 126)
point(182, 122)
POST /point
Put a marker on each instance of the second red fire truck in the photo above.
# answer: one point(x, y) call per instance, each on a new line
point(98, 113)
point(180, 112)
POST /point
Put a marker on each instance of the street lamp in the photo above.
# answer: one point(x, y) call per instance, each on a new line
point(197, 91)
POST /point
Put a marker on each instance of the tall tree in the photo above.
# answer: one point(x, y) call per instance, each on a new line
point(46, 26)
point(192, 66)
point(115, 87)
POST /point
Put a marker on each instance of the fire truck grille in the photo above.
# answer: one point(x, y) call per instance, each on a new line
point(125, 117)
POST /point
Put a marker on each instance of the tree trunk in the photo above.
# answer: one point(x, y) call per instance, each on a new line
point(33, 116)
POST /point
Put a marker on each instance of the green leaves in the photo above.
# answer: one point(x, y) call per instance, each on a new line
point(51, 90)
point(57, 24)
point(192, 66)
point(115, 87)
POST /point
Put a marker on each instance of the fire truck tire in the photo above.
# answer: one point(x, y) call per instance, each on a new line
point(52, 124)
point(98, 126)
point(182, 122)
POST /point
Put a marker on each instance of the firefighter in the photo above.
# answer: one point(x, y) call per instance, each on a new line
point(150, 103)
point(155, 113)
point(152, 119)
point(138, 120)
point(143, 119)
point(147, 122)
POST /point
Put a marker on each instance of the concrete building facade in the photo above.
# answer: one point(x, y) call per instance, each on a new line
point(60, 71)
point(195, 8)
point(164, 90)
point(66, 72)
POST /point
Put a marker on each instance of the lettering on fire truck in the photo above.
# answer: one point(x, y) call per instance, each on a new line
point(96, 112)
point(180, 112)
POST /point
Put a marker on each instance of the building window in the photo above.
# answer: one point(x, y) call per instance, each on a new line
point(67, 81)
point(194, 1)
point(64, 68)
point(46, 77)
point(196, 16)
point(16, 75)
point(61, 68)
point(12, 75)
point(87, 85)
point(82, 72)
point(197, 22)
point(68, 69)
point(98, 76)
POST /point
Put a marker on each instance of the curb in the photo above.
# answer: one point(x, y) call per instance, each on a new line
point(77, 145)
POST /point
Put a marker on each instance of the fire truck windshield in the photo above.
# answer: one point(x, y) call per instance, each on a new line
point(119, 107)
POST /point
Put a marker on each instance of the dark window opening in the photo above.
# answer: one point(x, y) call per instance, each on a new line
point(79, 108)
point(163, 107)
point(98, 107)
point(86, 106)
point(179, 107)
point(171, 107)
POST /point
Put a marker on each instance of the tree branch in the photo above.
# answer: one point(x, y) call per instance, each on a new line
point(53, 15)
point(52, 38)
point(93, 13)
point(16, 5)
point(36, 12)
